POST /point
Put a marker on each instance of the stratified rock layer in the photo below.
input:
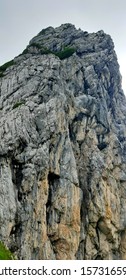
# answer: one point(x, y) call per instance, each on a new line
point(63, 149)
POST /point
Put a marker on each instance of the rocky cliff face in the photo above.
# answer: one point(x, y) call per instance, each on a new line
point(63, 149)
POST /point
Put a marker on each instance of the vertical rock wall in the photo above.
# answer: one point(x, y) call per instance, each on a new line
point(63, 149)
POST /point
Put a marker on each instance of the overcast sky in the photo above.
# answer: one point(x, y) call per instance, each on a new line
point(20, 20)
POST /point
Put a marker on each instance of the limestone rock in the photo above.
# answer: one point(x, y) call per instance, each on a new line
point(63, 149)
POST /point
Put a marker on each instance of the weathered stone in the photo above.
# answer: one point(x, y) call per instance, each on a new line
point(63, 149)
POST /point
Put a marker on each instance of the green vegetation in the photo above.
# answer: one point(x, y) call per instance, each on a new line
point(38, 46)
point(67, 52)
point(1, 75)
point(43, 31)
point(16, 105)
point(6, 65)
point(25, 51)
point(45, 51)
point(5, 254)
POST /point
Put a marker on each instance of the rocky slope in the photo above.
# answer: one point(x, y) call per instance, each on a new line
point(63, 148)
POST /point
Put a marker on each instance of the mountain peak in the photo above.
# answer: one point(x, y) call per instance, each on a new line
point(63, 148)
point(66, 35)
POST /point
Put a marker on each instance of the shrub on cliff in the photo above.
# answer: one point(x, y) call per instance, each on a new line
point(67, 52)
point(6, 65)
point(5, 253)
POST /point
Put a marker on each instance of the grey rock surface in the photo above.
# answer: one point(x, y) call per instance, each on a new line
point(63, 149)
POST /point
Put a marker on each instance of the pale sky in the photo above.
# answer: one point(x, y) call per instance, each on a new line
point(21, 20)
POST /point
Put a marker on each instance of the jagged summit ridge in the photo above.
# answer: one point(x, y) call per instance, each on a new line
point(63, 148)
point(55, 39)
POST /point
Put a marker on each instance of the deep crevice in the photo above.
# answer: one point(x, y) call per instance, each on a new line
point(52, 177)
point(17, 175)
point(102, 146)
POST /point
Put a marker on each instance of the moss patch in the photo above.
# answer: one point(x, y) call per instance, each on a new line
point(67, 52)
point(5, 254)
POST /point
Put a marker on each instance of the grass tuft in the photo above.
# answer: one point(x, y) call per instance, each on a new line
point(5, 253)
point(67, 52)
point(6, 65)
